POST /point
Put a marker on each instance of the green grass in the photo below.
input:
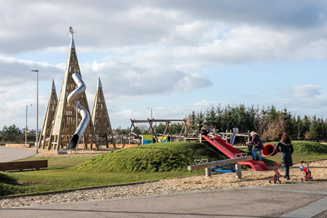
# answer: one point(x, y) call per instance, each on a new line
point(41, 181)
point(129, 165)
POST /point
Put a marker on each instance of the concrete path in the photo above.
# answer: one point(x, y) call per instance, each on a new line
point(11, 154)
point(307, 199)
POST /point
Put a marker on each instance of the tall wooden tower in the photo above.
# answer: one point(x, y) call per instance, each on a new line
point(66, 118)
point(100, 118)
point(49, 116)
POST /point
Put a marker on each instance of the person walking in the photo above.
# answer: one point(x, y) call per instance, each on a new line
point(285, 146)
point(258, 146)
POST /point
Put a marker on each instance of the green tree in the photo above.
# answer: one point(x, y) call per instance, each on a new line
point(13, 133)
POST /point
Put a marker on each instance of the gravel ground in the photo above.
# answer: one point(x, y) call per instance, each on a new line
point(250, 178)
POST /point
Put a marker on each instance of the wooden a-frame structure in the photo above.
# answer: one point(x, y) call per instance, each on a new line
point(100, 118)
point(49, 116)
point(166, 121)
point(66, 118)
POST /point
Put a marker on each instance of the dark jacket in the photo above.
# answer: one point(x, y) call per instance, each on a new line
point(256, 141)
point(286, 149)
point(200, 125)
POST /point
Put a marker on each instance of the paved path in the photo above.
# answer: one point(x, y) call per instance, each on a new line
point(11, 154)
point(308, 199)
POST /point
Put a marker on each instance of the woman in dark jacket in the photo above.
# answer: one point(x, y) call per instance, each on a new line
point(286, 148)
point(258, 146)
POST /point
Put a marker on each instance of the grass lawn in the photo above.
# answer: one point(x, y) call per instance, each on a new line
point(141, 164)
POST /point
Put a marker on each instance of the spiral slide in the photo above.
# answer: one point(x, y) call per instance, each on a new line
point(232, 153)
point(80, 109)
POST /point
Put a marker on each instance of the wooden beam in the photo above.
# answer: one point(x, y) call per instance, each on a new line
point(219, 163)
point(21, 165)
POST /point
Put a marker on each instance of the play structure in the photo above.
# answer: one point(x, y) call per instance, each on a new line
point(230, 136)
point(72, 100)
point(307, 173)
point(232, 152)
point(100, 119)
point(63, 117)
point(49, 116)
point(167, 135)
point(269, 150)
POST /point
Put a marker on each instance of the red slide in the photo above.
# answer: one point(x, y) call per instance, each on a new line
point(232, 153)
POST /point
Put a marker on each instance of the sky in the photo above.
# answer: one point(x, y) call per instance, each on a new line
point(170, 57)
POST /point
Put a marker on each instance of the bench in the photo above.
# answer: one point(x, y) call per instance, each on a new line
point(21, 165)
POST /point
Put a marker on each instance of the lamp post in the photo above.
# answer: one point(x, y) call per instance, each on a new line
point(26, 125)
point(37, 110)
point(151, 112)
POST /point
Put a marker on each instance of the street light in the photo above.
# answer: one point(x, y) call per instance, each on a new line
point(26, 125)
point(37, 110)
point(151, 112)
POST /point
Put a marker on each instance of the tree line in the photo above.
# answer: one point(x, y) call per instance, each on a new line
point(269, 122)
point(16, 135)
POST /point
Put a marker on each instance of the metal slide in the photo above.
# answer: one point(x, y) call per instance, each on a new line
point(85, 115)
point(232, 152)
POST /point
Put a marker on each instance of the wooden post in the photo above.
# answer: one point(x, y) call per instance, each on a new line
point(207, 171)
point(200, 138)
point(238, 171)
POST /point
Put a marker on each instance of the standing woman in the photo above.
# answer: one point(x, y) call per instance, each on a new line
point(286, 148)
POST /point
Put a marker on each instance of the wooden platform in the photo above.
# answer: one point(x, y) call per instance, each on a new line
point(22, 165)
point(192, 139)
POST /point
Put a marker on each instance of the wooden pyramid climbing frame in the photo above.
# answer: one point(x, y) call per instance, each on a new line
point(49, 116)
point(66, 119)
point(100, 119)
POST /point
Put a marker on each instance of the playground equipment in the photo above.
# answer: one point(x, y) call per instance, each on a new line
point(223, 169)
point(66, 118)
point(100, 119)
point(49, 116)
point(276, 176)
point(230, 136)
point(307, 173)
point(72, 99)
point(236, 160)
point(269, 150)
point(231, 152)
point(167, 132)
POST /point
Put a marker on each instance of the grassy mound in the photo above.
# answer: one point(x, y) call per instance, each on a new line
point(307, 147)
point(158, 157)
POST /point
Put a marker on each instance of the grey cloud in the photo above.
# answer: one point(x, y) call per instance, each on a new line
point(303, 91)
point(123, 81)
point(294, 14)
point(14, 71)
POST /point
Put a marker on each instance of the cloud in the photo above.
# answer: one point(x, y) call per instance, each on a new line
point(303, 91)
point(155, 49)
